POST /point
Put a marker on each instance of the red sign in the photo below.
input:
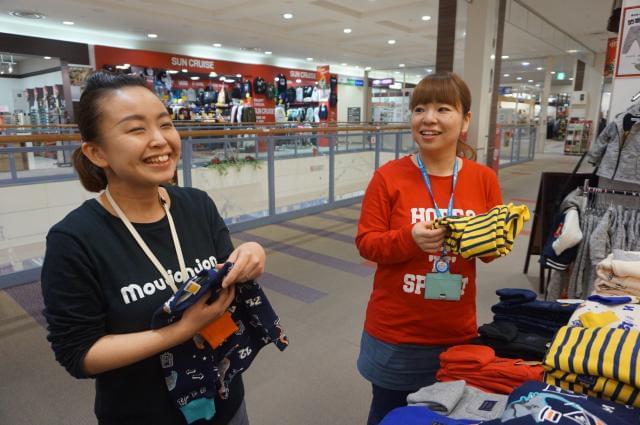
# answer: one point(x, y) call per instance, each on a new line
point(610, 60)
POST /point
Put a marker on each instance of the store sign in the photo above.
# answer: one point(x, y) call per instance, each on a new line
point(310, 75)
point(385, 82)
point(505, 90)
point(180, 61)
point(610, 60)
point(350, 81)
point(561, 75)
point(629, 52)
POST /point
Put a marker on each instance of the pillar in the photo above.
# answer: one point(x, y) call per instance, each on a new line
point(544, 104)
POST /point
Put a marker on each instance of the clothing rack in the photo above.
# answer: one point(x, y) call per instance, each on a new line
point(588, 189)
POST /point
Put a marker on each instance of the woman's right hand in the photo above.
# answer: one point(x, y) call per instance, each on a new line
point(201, 314)
point(428, 239)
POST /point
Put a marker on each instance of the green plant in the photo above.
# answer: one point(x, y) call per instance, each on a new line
point(222, 165)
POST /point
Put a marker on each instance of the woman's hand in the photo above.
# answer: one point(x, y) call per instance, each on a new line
point(428, 239)
point(201, 314)
point(248, 263)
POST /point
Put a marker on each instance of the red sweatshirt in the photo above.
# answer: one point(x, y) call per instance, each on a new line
point(395, 199)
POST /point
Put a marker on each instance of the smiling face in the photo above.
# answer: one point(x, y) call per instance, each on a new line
point(440, 106)
point(138, 145)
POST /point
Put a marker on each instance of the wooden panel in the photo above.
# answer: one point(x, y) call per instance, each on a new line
point(578, 83)
point(76, 53)
point(446, 35)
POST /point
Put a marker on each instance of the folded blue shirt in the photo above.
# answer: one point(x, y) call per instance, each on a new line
point(420, 415)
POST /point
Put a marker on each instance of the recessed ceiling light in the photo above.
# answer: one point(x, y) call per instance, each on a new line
point(268, 52)
point(426, 18)
point(152, 35)
point(429, 70)
point(505, 56)
point(367, 68)
point(217, 45)
point(401, 65)
point(185, 70)
point(539, 68)
point(343, 64)
point(347, 30)
point(507, 75)
point(391, 42)
point(68, 23)
point(26, 14)
point(309, 59)
point(47, 57)
point(525, 64)
point(195, 77)
point(530, 81)
point(572, 51)
point(553, 72)
point(518, 78)
point(538, 85)
point(570, 78)
point(172, 71)
point(287, 15)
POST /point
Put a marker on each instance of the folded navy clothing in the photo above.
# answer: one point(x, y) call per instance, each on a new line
point(509, 342)
point(516, 295)
point(610, 300)
point(530, 325)
point(523, 302)
point(534, 403)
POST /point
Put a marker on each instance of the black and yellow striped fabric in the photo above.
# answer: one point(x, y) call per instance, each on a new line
point(486, 235)
point(594, 386)
point(601, 360)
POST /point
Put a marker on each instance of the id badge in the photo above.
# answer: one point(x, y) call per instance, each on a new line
point(443, 286)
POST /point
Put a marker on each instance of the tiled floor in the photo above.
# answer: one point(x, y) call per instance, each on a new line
point(317, 283)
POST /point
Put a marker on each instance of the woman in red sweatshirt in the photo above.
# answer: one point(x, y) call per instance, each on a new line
point(404, 331)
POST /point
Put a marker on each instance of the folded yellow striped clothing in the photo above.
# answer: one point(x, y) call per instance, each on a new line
point(594, 386)
point(600, 352)
point(486, 235)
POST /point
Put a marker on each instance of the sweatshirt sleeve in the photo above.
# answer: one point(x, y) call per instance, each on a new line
point(494, 197)
point(375, 240)
point(597, 150)
point(74, 307)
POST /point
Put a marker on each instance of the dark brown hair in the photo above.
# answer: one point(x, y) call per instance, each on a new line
point(448, 88)
point(97, 86)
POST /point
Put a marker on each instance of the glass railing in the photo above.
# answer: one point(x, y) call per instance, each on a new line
point(517, 143)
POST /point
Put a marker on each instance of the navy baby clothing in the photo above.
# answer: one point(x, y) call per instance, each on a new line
point(194, 371)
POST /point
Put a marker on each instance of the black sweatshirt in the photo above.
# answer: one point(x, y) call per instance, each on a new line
point(96, 281)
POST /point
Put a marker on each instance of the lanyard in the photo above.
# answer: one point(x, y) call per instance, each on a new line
point(174, 235)
point(427, 183)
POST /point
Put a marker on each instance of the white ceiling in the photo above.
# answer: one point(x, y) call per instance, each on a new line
point(247, 28)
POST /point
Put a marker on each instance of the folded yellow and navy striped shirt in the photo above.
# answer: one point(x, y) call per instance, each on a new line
point(486, 235)
point(594, 386)
point(601, 352)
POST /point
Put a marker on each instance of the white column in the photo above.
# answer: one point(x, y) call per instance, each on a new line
point(623, 87)
point(544, 104)
point(593, 81)
point(479, 56)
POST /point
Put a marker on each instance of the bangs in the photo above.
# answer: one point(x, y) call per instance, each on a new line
point(445, 88)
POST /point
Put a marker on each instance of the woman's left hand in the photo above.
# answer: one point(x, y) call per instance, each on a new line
point(248, 263)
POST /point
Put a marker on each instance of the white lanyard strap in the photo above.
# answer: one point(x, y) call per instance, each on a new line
point(174, 235)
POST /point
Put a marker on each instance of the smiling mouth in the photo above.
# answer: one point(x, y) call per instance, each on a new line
point(430, 133)
point(160, 159)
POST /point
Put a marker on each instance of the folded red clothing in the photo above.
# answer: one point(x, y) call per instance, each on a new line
point(482, 369)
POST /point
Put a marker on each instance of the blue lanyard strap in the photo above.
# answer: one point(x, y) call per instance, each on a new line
point(427, 183)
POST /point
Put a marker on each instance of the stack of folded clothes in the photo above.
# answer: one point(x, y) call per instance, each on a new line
point(619, 274)
point(520, 307)
point(478, 366)
point(509, 342)
point(457, 400)
point(600, 362)
point(622, 312)
point(534, 403)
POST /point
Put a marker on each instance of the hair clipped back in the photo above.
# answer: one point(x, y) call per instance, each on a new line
point(97, 86)
point(448, 88)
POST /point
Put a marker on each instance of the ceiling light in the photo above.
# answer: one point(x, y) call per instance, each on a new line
point(213, 74)
point(47, 57)
point(67, 23)
point(570, 78)
point(195, 77)
point(367, 68)
point(505, 56)
point(538, 85)
point(507, 75)
point(26, 14)
point(553, 72)
point(171, 71)
point(493, 57)
point(391, 42)
point(309, 59)
point(287, 15)
point(530, 81)
point(572, 51)
point(539, 68)
point(347, 30)
point(429, 70)
point(268, 52)
point(185, 70)
point(217, 45)
point(518, 78)
point(426, 18)
point(401, 65)
point(525, 64)
point(152, 35)
point(343, 64)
